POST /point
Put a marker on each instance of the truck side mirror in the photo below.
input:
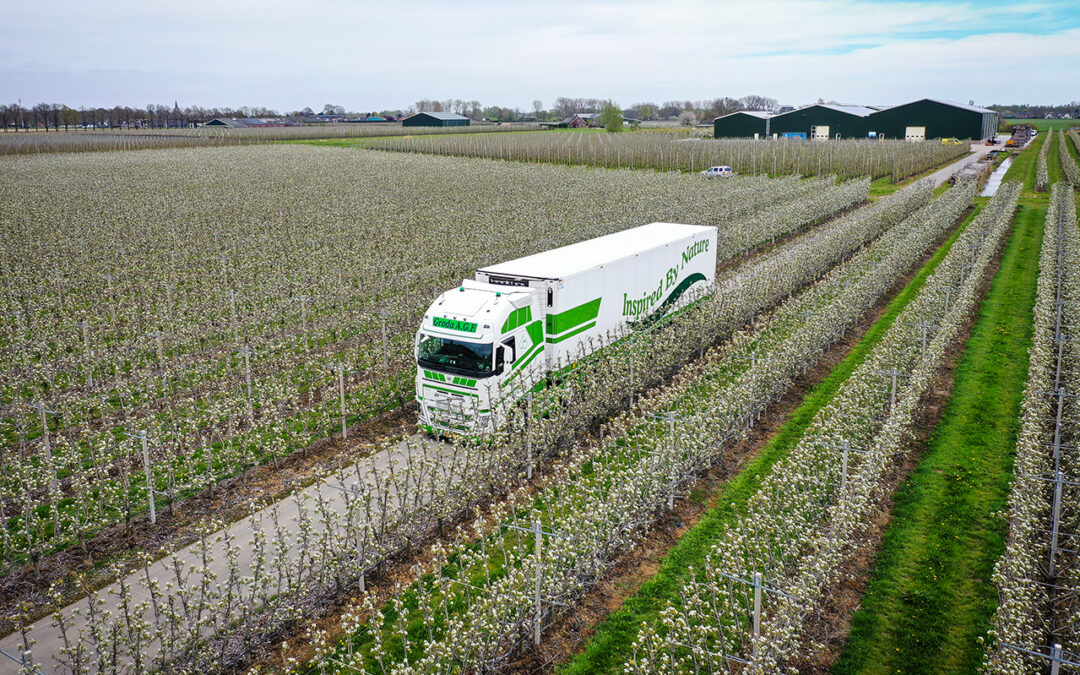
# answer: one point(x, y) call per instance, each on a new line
point(499, 359)
point(511, 349)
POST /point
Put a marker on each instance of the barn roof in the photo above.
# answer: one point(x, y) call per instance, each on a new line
point(962, 106)
point(444, 115)
point(762, 114)
point(857, 110)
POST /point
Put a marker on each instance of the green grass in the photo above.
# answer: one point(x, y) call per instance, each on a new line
point(609, 647)
point(1046, 125)
point(931, 595)
point(1053, 162)
point(1023, 167)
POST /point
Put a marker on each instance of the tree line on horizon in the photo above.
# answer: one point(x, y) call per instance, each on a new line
point(15, 116)
point(58, 115)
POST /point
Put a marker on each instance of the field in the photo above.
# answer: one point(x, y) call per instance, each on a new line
point(675, 152)
point(92, 140)
point(1046, 125)
point(225, 332)
point(197, 326)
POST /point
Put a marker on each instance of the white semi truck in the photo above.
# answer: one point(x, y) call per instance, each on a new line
point(486, 343)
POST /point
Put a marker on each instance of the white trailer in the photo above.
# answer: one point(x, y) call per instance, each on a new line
point(494, 338)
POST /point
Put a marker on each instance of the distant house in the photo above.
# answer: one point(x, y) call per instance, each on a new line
point(580, 121)
point(436, 119)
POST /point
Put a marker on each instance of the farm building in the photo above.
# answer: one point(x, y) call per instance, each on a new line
point(918, 120)
point(742, 124)
point(436, 119)
point(822, 121)
point(931, 118)
point(245, 122)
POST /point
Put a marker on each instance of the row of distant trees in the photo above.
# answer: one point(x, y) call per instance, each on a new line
point(15, 116)
point(566, 106)
point(62, 116)
point(1025, 111)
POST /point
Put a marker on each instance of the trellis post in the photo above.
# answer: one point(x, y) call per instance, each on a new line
point(341, 394)
point(149, 477)
point(538, 538)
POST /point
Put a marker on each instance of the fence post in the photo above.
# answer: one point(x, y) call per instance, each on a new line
point(247, 379)
point(45, 428)
point(538, 538)
point(1055, 659)
point(341, 392)
point(528, 436)
point(757, 605)
point(843, 474)
point(149, 478)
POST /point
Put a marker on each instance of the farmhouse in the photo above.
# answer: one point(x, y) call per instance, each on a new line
point(436, 119)
point(578, 121)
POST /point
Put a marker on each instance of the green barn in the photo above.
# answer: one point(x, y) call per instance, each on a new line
point(742, 124)
point(823, 121)
point(932, 118)
point(436, 119)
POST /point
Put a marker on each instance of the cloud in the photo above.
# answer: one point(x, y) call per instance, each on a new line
point(378, 55)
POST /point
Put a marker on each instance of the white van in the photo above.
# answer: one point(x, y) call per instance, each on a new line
point(718, 172)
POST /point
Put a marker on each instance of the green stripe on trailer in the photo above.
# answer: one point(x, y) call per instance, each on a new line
point(571, 334)
point(575, 316)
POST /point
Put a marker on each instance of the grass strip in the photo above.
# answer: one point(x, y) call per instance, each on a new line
point(1023, 167)
point(1053, 162)
point(930, 596)
point(610, 645)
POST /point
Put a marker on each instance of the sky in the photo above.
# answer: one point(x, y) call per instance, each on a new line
point(387, 55)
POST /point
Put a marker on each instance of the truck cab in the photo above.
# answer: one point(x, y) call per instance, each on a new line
point(475, 343)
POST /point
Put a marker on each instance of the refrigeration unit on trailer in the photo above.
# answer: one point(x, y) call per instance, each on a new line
point(486, 343)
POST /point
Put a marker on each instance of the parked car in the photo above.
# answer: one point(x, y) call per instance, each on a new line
point(718, 172)
point(950, 141)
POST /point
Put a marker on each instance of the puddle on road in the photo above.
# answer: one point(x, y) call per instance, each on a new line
point(994, 181)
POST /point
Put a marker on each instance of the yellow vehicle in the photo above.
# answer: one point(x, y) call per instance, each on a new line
point(950, 141)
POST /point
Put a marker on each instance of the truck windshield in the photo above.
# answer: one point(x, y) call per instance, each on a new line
point(466, 358)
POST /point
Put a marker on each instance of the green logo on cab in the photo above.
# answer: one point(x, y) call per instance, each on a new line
point(454, 324)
